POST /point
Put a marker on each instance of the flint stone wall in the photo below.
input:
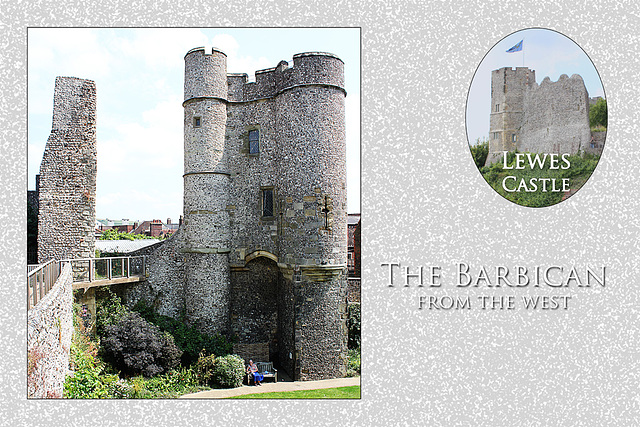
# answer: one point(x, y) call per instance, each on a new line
point(49, 332)
point(164, 288)
point(353, 289)
point(67, 186)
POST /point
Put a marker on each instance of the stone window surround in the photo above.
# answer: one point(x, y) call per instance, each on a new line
point(254, 132)
point(197, 121)
point(247, 147)
point(263, 190)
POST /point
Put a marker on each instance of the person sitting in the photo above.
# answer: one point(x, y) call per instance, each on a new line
point(252, 371)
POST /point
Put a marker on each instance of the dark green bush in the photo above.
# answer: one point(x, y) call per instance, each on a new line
point(187, 338)
point(353, 325)
point(136, 346)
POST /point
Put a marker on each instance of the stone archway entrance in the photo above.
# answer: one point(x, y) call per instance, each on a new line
point(254, 309)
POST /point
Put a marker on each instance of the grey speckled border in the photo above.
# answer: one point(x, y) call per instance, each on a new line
point(423, 204)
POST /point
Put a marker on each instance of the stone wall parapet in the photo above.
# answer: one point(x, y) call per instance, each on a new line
point(49, 332)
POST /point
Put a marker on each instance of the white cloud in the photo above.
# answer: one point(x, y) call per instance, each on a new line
point(159, 47)
point(235, 62)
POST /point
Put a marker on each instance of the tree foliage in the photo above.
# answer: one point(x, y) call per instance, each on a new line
point(598, 114)
point(112, 234)
point(480, 151)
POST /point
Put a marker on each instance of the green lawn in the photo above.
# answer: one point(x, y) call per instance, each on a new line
point(351, 392)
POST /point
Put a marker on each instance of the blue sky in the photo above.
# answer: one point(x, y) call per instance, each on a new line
point(139, 78)
point(547, 52)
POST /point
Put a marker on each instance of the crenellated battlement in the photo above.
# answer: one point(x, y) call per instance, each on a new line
point(206, 76)
point(309, 68)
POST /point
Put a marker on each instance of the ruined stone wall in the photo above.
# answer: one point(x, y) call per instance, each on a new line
point(49, 332)
point(552, 117)
point(556, 118)
point(67, 191)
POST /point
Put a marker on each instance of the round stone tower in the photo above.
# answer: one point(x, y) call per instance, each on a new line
point(311, 185)
point(206, 191)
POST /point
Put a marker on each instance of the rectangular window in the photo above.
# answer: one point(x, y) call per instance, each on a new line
point(513, 137)
point(197, 122)
point(496, 135)
point(497, 108)
point(254, 141)
point(267, 202)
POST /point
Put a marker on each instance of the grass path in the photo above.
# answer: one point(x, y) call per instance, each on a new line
point(351, 392)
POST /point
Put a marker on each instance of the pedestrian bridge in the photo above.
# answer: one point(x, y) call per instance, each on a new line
point(87, 273)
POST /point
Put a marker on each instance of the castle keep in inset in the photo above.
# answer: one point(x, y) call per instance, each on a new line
point(552, 117)
point(262, 253)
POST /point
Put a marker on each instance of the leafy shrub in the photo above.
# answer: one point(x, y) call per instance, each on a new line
point(353, 366)
point(228, 371)
point(87, 380)
point(204, 369)
point(187, 338)
point(353, 325)
point(138, 347)
point(225, 371)
point(170, 385)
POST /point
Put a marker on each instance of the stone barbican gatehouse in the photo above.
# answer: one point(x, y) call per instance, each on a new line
point(262, 251)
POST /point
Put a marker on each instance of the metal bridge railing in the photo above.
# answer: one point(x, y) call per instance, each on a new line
point(40, 280)
point(88, 270)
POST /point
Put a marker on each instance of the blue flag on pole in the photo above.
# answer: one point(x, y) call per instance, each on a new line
point(516, 48)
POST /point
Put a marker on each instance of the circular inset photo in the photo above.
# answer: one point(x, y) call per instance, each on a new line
point(536, 117)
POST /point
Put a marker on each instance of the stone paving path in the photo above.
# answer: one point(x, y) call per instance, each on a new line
point(267, 387)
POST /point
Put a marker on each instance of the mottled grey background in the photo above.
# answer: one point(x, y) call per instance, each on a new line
point(423, 203)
